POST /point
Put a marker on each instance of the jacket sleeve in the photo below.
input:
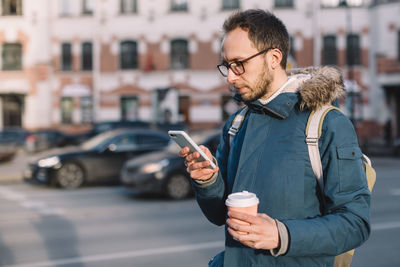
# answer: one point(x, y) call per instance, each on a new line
point(211, 198)
point(344, 224)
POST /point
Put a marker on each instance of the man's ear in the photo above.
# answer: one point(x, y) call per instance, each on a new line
point(275, 58)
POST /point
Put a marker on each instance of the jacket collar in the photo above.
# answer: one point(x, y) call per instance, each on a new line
point(310, 87)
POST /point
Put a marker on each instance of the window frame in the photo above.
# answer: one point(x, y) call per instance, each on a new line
point(340, 4)
point(230, 5)
point(398, 45)
point(64, 66)
point(351, 50)
point(178, 57)
point(67, 115)
point(6, 8)
point(176, 7)
point(123, 58)
point(328, 50)
point(16, 55)
point(131, 9)
point(284, 4)
point(86, 105)
point(86, 58)
point(86, 10)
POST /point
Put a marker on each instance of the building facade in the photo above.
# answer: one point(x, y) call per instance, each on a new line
point(67, 63)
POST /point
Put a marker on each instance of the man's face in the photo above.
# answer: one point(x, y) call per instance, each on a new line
point(254, 83)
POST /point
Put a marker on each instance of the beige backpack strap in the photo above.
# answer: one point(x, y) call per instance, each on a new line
point(237, 123)
point(313, 133)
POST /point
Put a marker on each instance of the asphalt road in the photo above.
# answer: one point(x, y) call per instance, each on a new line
point(111, 226)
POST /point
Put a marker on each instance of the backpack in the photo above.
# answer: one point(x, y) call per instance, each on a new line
point(313, 133)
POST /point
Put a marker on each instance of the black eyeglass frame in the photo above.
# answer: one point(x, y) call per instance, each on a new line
point(239, 64)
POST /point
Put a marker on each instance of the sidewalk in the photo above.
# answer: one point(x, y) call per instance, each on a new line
point(12, 171)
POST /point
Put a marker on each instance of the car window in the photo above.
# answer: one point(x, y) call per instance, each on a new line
point(98, 141)
point(102, 127)
point(151, 139)
point(125, 143)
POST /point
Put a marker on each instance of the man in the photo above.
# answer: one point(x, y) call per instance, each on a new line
point(297, 225)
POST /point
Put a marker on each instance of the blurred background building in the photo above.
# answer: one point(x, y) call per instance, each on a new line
point(68, 63)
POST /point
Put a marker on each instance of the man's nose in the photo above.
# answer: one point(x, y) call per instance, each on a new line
point(232, 77)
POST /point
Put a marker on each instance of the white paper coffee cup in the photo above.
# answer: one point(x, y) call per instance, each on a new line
point(242, 199)
point(245, 202)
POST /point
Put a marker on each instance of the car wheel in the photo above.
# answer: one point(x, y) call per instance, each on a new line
point(70, 175)
point(178, 186)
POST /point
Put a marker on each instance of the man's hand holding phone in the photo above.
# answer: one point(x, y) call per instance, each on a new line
point(198, 160)
point(199, 170)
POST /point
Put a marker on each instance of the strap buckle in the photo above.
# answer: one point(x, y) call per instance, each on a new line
point(233, 131)
point(312, 141)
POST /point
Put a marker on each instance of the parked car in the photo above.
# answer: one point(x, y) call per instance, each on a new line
point(10, 140)
point(44, 139)
point(99, 159)
point(7, 150)
point(14, 135)
point(100, 127)
point(164, 171)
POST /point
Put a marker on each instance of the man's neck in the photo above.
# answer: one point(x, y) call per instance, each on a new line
point(279, 80)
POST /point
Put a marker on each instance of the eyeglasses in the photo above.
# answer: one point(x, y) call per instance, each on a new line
point(237, 66)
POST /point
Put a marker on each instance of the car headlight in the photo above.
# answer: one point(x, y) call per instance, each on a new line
point(49, 162)
point(155, 167)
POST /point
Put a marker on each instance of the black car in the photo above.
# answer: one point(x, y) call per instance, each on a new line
point(164, 171)
point(103, 126)
point(14, 135)
point(44, 139)
point(11, 138)
point(99, 159)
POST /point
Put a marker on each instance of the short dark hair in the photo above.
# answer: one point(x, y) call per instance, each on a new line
point(265, 30)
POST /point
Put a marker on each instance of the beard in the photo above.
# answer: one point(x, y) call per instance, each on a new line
point(260, 87)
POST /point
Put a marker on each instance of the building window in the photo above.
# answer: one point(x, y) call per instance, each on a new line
point(341, 3)
point(128, 6)
point(179, 5)
point(283, 3)
point(67, 108)
point(179, 54)
point(65, 8)
point(398, 45)
point(66, 56)
point(86, 109)
point(11, 7)
point(87, 56)
point(12, 56)
point(291, 59)
point(128, 55)
point(353, 51)
point(88, 7)
point(129, 108)
point(230, 4)
point(329, 50)
point(292, 52)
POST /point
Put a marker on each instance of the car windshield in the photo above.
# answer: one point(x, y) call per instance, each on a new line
point(98, 141)
point(198, 138)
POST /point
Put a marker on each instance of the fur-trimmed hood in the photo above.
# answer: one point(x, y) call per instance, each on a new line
point(317, 86)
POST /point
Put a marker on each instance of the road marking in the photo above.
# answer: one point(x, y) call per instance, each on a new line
point(124, 255)
point(38, 206)
point(385, 226)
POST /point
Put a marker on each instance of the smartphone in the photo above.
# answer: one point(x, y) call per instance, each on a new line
point(183, 139)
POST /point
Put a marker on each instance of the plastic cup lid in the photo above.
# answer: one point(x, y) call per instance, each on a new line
point(242, 199)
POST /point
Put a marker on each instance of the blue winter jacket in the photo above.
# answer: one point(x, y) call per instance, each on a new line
point(269, 157)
